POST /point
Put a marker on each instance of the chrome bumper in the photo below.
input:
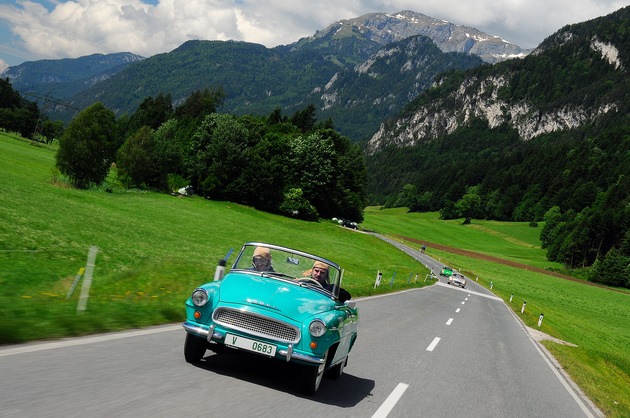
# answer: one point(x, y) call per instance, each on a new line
point(210, 334)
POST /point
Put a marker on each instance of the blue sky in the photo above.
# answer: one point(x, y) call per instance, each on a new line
point(52, 29)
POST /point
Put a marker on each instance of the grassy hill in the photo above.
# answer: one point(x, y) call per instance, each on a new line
point(153, 249)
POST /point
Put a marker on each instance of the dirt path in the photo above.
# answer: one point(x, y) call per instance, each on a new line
point(485, 257)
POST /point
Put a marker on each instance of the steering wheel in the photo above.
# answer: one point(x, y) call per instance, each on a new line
point(309, 280)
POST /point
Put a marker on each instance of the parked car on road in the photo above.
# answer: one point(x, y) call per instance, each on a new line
point(277, 311)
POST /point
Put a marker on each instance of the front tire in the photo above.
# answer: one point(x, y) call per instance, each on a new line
point(194, 348)
point(336, 371)
point(312, 377)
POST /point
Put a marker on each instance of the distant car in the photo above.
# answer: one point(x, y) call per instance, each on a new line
point(457, 279)
point(446, 271)
point(280, 313)
point(349, 224)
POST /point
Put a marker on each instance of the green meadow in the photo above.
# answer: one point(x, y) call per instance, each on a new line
point(153, 249)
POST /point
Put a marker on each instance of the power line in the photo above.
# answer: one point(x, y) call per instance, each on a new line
point(49, 99)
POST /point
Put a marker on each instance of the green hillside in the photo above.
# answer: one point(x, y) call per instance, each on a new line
point(153, 249)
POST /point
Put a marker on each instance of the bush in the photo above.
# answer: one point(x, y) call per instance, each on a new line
point(297, 206)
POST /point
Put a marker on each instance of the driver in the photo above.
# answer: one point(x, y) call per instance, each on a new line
point(319, 272)
point(261, 260)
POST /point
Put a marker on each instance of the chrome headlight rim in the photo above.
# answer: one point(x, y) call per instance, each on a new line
point(317, 328)
point(199, 297)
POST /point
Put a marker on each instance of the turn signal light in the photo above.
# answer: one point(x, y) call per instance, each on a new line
point(313, 345)
point(197, 314)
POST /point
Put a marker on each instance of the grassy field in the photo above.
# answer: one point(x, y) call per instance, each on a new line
point(153, 249)
point(596, 319)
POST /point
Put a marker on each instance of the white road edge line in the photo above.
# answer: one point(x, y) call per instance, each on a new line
point(30, 348)
point(435, 342)
point(391, 401)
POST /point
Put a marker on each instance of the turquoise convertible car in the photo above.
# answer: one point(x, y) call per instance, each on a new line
point(279, 303)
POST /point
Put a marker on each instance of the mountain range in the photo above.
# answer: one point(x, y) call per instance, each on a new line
point(356, 71)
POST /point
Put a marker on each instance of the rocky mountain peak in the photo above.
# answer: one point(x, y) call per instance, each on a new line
point(385, 28)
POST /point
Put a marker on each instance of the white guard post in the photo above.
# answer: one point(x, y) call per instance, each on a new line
point(379, 276)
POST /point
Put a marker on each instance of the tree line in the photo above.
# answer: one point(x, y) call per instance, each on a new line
point(577, 182)
point(293, 165)
point(24, 116)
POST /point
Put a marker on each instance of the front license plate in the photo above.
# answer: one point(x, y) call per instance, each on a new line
point(250, 345)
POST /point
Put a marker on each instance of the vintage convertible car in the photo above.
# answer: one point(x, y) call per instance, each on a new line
point(272, 307)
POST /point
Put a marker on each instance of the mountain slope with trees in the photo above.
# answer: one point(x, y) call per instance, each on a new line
point(543, 138)
point(66, 77)
point(313, 70)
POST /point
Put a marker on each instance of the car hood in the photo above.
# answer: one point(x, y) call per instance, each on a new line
point(287, 299)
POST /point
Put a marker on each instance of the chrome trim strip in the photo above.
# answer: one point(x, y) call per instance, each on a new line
point(200, 330)
point(302, 357)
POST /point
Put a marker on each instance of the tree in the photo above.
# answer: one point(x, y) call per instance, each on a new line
point(305, 119)
point(152, 112)
point(217, 156)
point(137, 161)
point(552, 219)
point(52, 129)
point(200, 103)
point(469, 206)
point(297, 206)
point(613, 270)
point(88, 146)
point(312, 169)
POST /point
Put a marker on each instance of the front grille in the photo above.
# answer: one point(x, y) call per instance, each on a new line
point(256, 325)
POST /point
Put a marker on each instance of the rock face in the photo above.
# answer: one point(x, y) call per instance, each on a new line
point(484, 97)
point(384, 28)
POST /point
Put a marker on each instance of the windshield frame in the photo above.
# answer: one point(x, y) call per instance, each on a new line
point(292, 264)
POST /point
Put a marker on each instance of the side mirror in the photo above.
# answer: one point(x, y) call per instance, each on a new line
point(350, 304)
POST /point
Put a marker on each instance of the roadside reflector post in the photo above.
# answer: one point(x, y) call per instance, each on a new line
point(75, 282)
point(511, 296)
point(491, 285)
point(540, 319)
point(415, 279)
point(377, 282)
point(523, 307)
point(87, 281)
point(477, 279)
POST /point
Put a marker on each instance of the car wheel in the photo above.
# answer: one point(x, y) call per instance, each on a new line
point(312, 377)
point(194, 348)
point(336, 371)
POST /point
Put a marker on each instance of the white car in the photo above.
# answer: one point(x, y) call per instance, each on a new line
point(457, 279)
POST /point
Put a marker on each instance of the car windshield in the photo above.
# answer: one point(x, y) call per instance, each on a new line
point(287, 264)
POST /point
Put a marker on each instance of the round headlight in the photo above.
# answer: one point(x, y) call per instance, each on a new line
point(200, 297)
point(317, 328)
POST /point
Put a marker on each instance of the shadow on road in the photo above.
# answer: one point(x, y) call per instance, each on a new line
point(345, 392)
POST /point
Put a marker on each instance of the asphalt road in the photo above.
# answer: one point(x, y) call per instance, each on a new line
point(433, 352)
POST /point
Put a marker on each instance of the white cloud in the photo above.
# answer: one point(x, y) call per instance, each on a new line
point(3, 65)
point(72, 28)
